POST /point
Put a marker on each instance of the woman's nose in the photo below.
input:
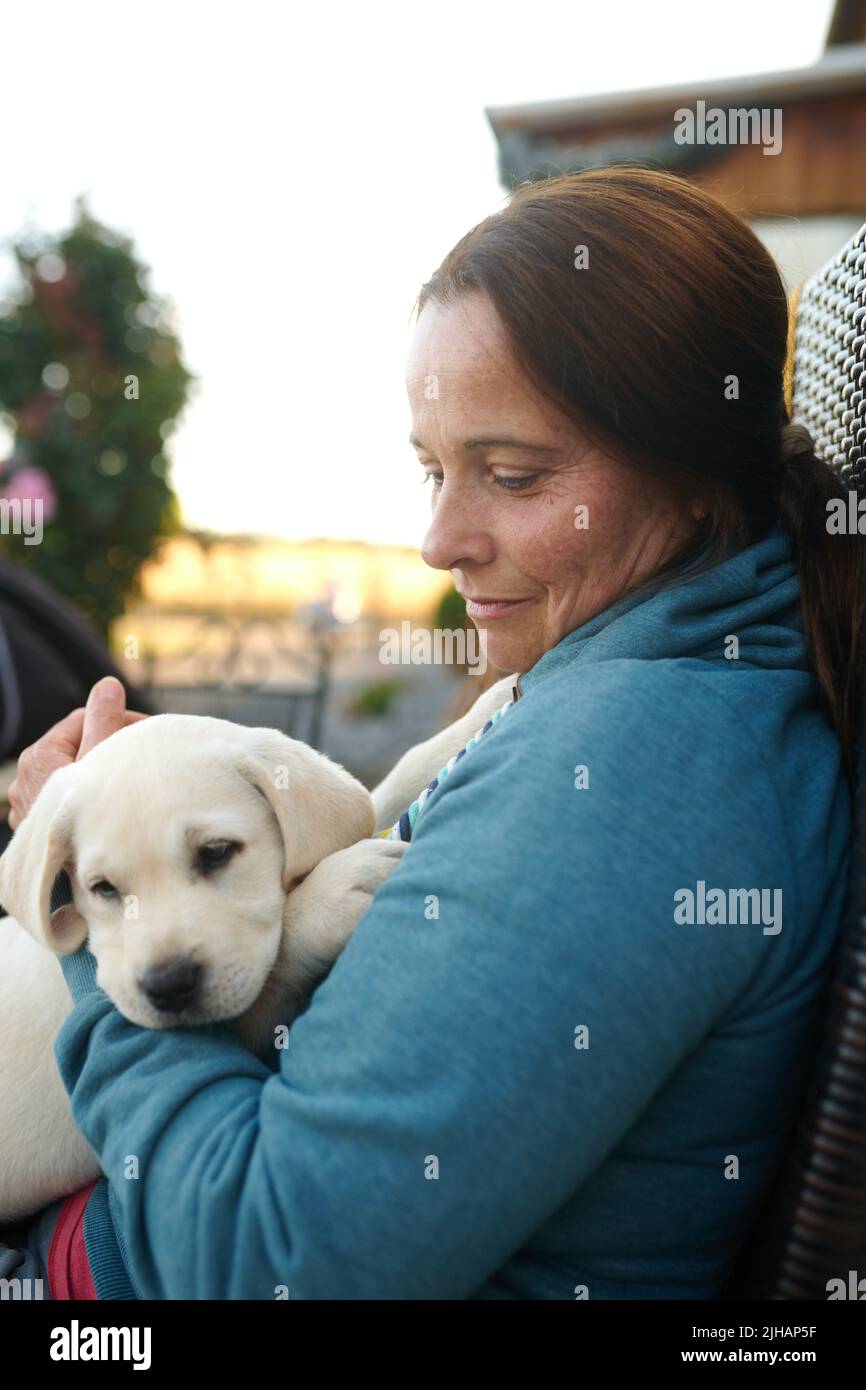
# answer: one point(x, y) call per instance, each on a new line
point(456, 532)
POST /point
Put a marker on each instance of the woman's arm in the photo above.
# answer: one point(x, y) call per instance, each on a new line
point(421, 763)
point(439, 1099)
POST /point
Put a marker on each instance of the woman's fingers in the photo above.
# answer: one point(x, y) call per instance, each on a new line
point(66, 741)
point(37, 762)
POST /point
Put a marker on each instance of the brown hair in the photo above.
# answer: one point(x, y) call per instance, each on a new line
point(639, 350)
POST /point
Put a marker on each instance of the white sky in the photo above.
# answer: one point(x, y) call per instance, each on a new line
point(292, 179)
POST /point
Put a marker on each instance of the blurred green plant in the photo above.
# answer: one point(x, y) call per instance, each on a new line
point(450, 611)
point(91, 385)
point(375, 700)
point(450, 615)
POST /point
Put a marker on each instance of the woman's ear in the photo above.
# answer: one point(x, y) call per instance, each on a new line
point(319, 806)
point(699, 508)
point(42, 846)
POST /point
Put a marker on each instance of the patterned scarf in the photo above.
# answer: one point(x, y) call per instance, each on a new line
point(403, 828)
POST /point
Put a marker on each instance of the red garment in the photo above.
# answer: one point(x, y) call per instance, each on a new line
point(68, 1267)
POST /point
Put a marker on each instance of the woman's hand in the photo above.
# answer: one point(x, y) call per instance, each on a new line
point(104, 714)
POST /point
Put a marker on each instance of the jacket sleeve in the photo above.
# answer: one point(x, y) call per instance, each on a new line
point(511, 1002)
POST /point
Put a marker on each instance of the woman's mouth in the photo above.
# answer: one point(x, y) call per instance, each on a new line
point(487, 608)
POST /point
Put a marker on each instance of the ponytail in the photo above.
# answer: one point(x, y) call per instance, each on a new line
point(832, 571)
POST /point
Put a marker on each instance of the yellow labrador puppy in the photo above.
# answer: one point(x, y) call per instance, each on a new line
point(216, 872)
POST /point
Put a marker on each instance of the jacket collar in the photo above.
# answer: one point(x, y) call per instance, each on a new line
point(753, 595)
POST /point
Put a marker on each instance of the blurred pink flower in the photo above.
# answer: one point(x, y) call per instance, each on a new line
point(32, 483)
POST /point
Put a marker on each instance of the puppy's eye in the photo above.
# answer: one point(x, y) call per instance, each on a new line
point(103, 888)
point(214, 855)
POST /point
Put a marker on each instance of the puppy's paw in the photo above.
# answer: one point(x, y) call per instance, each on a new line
point(362, 867)
point(347, 881)
point(324, 910)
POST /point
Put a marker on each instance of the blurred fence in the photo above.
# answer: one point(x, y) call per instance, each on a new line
point(254, 671)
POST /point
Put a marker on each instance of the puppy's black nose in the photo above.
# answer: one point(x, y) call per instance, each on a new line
point(172, 986)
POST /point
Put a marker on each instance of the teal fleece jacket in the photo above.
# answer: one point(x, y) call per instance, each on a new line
point(561, 1054)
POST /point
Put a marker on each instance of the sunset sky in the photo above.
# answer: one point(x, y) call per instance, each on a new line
point(293, 176)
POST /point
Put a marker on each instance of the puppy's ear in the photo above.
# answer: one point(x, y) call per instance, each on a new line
point(41, 846)
point(319, 806)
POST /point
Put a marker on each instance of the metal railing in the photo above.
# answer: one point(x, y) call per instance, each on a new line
point(253, 671)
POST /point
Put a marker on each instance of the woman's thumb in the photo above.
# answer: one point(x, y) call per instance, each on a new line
point(103, 713)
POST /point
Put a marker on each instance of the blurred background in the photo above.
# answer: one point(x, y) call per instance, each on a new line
point(215, 221)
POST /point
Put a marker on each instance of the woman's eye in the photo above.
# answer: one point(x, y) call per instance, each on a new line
point(508, 481)
point(512, 483)
point(104, 888)
point(212, 856)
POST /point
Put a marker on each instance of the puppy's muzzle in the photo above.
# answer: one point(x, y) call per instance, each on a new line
point(172, 986)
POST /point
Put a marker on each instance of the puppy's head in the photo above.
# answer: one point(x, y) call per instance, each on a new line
point(181, 837)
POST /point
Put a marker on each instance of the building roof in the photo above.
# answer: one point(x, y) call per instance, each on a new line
point(840, 70)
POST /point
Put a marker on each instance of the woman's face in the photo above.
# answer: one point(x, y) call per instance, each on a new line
point(509, 475)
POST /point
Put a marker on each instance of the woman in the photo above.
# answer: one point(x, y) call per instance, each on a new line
point(561, 1055)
